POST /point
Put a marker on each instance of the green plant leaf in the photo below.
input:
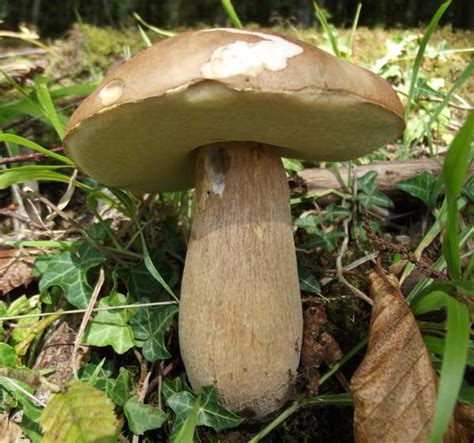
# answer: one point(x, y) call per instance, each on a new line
point(81, 413)
point(436, 345)
point(119, 392)
point(421, 186)
point(420, 54)
point(369, 194)
point(149, 326)
point(142, 418)
point(308, 282)
point(200, 410)
point(47, 105)
point(230, 11)
point(12, 138)
point(8, 356)
point(455, 168)
point(452, 368)
point(111, 328)
point(69, 271)
point(29, 409)
point(426, 303)
point(13, 176)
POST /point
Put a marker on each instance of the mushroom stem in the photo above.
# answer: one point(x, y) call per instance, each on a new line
point(241, 317)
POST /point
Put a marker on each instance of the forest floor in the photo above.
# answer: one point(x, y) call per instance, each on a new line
point(59, 232)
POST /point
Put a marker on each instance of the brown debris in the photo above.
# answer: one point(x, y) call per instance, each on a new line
point(15, 269)
point(57, 352)
point(318, 346)
point(10, 432)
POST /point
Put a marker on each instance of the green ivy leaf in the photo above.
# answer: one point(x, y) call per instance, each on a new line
point(200, 410)
point(69, 271)
point(369, 194)
point(308, 282)
point(111, 327)
point(81, 413)
point(142, 418)
point(421, 186)
point(149, 326)
point(120, 390)
point(8, 356)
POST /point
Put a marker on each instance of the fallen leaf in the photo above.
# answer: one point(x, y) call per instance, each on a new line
point(394, 388)
point(10, 432)
point(15, 269)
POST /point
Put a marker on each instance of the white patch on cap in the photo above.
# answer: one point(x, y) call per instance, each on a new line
point(244, 58)
point(111, 92)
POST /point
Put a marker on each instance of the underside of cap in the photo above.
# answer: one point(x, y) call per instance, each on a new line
point(142, 137)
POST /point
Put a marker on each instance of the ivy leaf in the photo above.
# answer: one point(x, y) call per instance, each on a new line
point(200, 410)
point(69, 271)
point(369, 194)
point(111, 327)
point(149, 326)
point(308, 282)
point(308, 224)
point(421, 186)
point(120, 390)
point(141, 284)
point(142, 418)
point(81, 413)
point(8, 356)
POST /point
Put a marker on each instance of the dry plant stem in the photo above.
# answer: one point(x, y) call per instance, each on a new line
point(241, 315)
point(85, 320)
point(27, 157)
point(340, 269)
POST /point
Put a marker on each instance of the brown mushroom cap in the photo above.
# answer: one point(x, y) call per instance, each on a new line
point(139, 129)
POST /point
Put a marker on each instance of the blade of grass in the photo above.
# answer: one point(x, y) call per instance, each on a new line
point(452, 369)
point(420, 54)
point(156, 30)
point(230, 11)
point(466, 74)
point(321, 16)
point(46, 102)
point(146, 40)
point(12, 138)
point(354, 27)
point(455, 168)
point(335, 399)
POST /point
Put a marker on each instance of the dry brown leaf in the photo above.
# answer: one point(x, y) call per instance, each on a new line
point(15, 269)
point(394, 388)
point(10, 432)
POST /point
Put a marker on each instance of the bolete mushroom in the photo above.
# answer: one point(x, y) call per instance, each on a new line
point(216, 109)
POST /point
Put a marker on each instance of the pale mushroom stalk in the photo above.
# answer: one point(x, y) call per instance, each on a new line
point(240, 315)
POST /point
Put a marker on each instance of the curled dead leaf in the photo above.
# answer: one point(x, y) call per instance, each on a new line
point(15, 269)
point(394, 388)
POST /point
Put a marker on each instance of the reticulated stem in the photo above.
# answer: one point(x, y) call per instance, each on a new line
point(241, 316)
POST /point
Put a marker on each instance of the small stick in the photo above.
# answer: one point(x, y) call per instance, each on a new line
point(27, 157)
point(85, 320)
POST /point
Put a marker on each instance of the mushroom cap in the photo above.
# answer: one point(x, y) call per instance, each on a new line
point(138, 130)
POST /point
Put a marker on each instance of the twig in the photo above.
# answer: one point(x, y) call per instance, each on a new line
point(36, 401)
point(81, 311)
point(85, 320)
point(27, 157)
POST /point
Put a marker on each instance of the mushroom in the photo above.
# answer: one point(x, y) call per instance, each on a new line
point(216, 109)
